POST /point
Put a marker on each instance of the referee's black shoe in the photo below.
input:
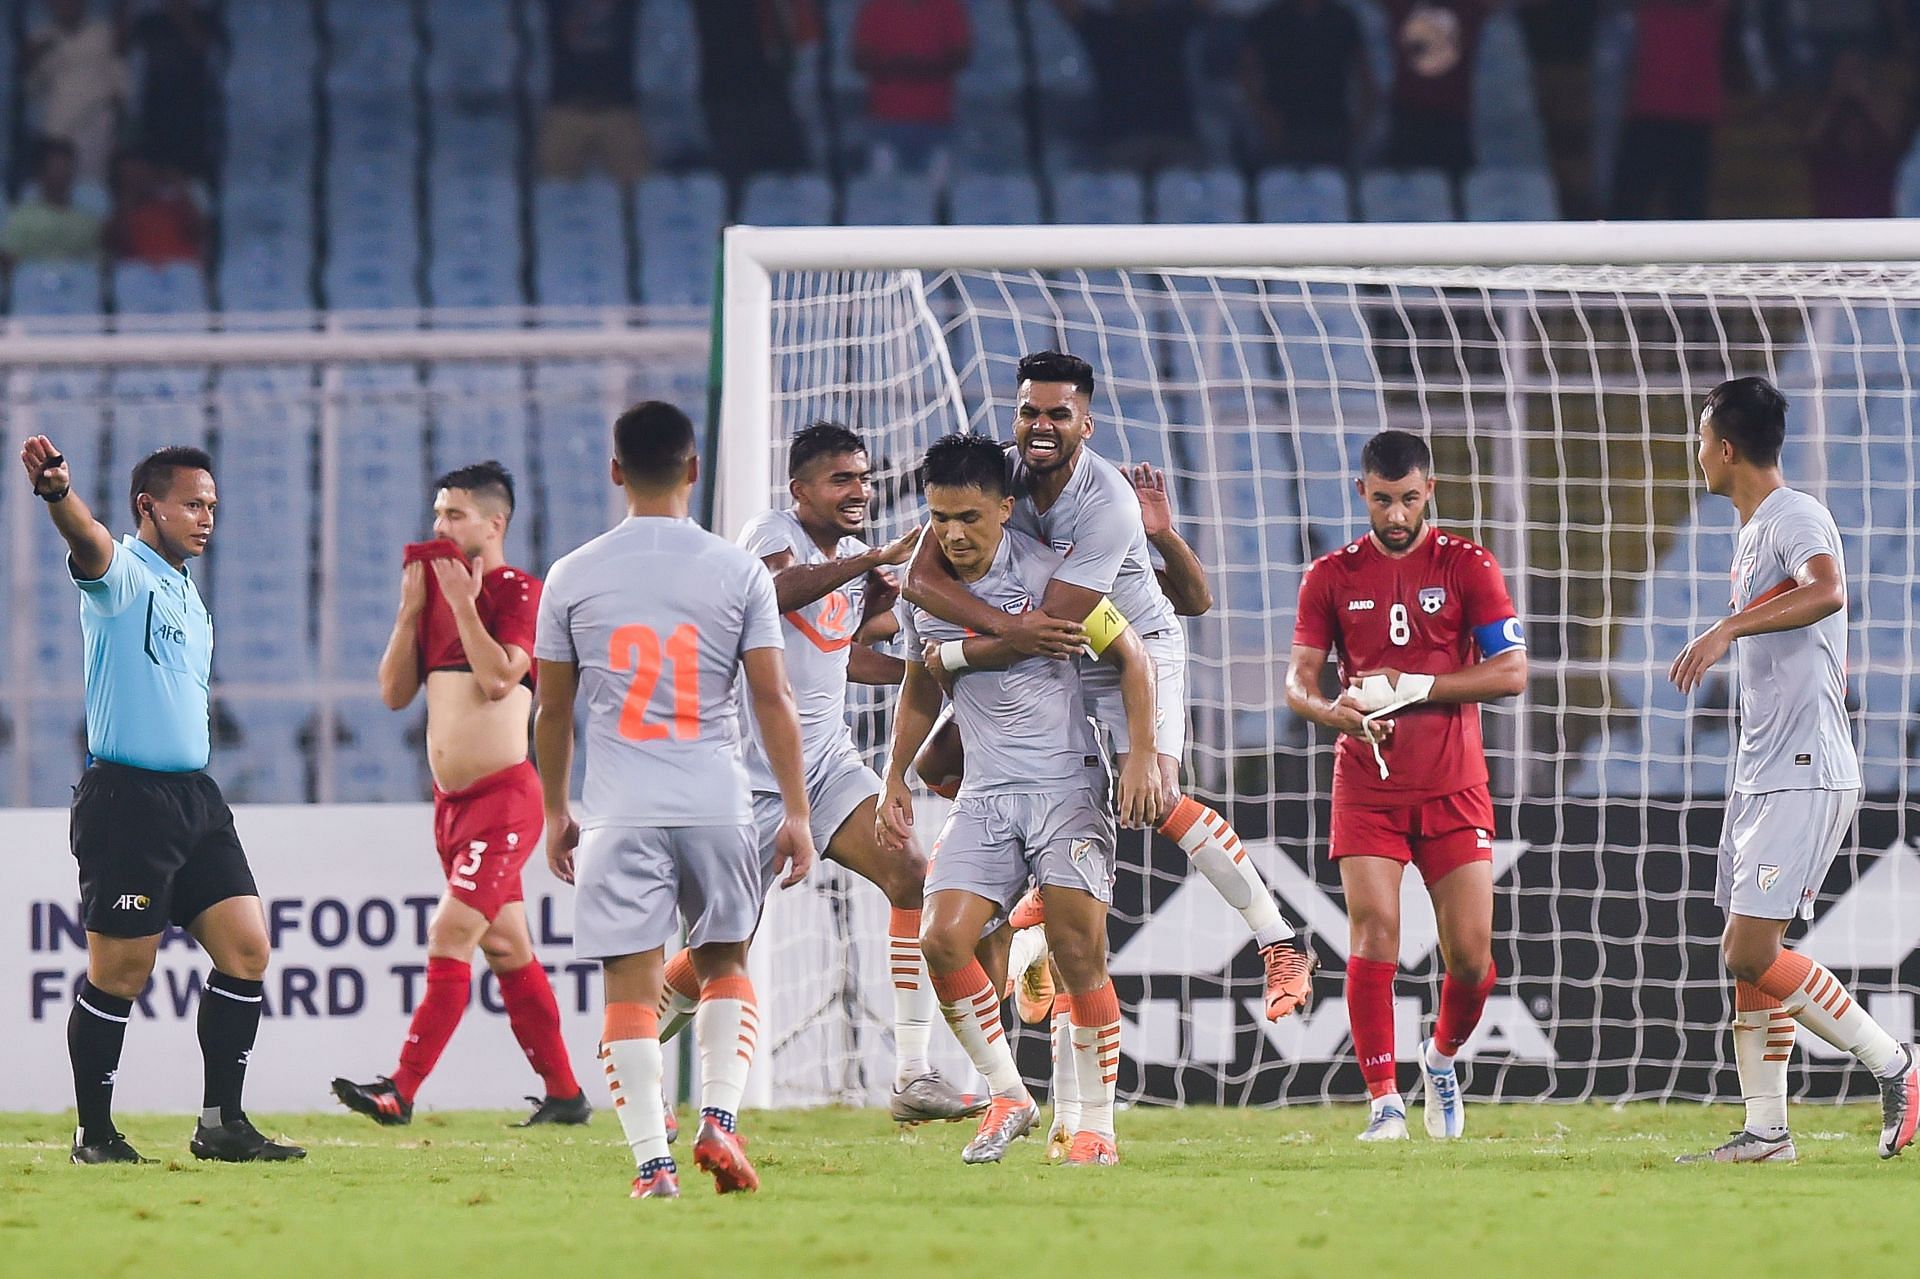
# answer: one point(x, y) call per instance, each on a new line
point(238, 1142)
point(558, 1110)
point(114, 1150)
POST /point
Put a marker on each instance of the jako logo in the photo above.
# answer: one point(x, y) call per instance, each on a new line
point(133, 901)
point(1359, 606)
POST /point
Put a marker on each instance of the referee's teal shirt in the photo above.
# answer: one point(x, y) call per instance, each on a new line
point(149, 656)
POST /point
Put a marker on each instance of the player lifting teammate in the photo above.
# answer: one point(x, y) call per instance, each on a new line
point(1422, 629)
point(1796, 779)
point(1034, 802)
point(1070, 498)
point(834, 596)
point(654, 620)
point(464, 632)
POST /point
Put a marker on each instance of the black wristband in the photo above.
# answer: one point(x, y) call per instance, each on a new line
point(58, 459)
point(51, 498)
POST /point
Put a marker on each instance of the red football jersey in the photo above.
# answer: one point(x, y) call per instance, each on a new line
point(1415, 614)
point(508, 605)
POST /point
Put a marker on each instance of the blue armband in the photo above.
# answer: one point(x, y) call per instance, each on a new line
point(1496, 638)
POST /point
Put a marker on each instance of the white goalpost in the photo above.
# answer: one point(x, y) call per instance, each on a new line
point(1557, 369)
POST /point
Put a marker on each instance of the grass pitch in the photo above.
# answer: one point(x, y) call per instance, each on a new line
point(1540, 1191)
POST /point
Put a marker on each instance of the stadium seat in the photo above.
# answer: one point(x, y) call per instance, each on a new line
point(677, 223)
point(774, 199)
point(56, 288)
point(1203, 195)
point(1510, 195)
point(994, 199)
point(379, 756)
point(1303, 195)
point(1084, 199)
point(898, 199)
point(58, 744)
point(1406, 195)
point(261, 750)
point(471, 49)
point(175, 289)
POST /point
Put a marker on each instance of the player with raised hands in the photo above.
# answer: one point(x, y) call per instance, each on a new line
point(1423, 630)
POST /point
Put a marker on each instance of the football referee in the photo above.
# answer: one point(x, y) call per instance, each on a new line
point(153, 838)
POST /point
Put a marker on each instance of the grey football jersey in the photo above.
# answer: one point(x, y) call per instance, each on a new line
point(1095, 523)
point(1025, 729)
point(1794, 733)
point(657, 614)
point(818, 637)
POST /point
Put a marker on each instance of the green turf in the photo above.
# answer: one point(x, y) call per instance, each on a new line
point(1544, 1191)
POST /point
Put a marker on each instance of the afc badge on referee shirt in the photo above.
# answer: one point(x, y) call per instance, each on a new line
point(1433, 598)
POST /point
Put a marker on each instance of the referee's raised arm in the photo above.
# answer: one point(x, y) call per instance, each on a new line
point(89, 545)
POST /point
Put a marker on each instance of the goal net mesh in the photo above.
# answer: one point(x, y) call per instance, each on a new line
point(1560, 404)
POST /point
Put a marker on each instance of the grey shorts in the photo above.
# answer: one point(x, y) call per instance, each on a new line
point(633, 886)
point(1100, 686)
point(1776, 847)
point(837, 787)
point(992, 844)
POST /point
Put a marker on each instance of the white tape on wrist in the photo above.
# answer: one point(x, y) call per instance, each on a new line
point(953, 656)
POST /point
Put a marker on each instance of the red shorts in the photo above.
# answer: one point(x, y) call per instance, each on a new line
point(1438, 836)
point(485, 834)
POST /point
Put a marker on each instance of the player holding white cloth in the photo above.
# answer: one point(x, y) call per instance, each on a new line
point(1796, 779)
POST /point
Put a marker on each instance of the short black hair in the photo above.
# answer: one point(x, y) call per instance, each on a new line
point(1057, 366)
point(965, 461)
point(822, 439)
point(153, 474)
point(1751, 414)
point(1392, 455)
point(482, 479)
point(652, 442)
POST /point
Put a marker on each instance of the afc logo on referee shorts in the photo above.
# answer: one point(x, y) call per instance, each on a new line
point(132, 901)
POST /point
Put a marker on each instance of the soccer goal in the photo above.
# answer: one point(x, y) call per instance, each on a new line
point(1557, 370)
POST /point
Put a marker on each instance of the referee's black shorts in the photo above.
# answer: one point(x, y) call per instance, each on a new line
point(153, 848)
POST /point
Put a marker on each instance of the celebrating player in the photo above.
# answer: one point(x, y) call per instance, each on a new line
point(1069, 497)
point(654, 620)
point(1423, 630)
point(152, 836)
point(833, 594)
point(1796, 779)
point(466, 635)
point(1034, 802)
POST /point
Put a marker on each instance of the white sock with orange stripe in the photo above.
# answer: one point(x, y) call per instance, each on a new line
point(630, 1052)
point(1762, 1044)
point(914, 1003)
point(1819, 1002)
point(1066, 1071)
point(1216, 852)
point(679, 995)
point(1096, 1056)
point(727, 1027)
point(972, 1008)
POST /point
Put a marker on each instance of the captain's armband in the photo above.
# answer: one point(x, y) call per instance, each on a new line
point(1103, 626)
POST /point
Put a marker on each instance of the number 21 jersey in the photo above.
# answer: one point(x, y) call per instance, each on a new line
point(657, 613)
point(1416, 613)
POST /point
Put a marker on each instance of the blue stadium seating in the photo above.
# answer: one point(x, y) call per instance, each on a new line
point(1510, 195)
point(1406, 195)
point(773, 199)
point(896, 199)
point(1199, 195)
point(1303, 195)
point(998, 199)
point(677, 224)
point(1084, 199)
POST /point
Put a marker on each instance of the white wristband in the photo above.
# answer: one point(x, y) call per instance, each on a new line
point(953, 656)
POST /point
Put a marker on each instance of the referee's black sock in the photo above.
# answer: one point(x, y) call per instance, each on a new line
point(229, 1020)
point(96, 1028)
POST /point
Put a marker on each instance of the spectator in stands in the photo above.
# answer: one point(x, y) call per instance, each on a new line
point(1436, 44)
point(593, 106)
point(1677, 95)
point(911, 51)
point(180, 107)
point(77, 80)
point(747, 53)
point(1856, 144)
point(1138, 50)
point(155, 218)
point(1308, 83)
point(45, 225)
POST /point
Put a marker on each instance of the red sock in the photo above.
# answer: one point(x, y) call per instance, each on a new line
point(535, 1018)
point(449, 986)
point(1370, 1015)
point(1460, 1006)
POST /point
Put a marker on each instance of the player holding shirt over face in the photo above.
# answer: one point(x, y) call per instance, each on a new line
point(464, 632)
point(654, 621)
point(1034, 803)
point(1796, 779)
point(1077, 502)
point(835, 595)
point(1423, 630)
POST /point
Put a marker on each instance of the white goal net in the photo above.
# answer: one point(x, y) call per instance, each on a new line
point(1560, 402)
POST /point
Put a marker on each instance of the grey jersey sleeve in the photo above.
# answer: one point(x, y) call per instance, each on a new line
point(1106, 534)
point(766, 535)
point(553, 632)
point(760, 622)
point(1802, 533)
